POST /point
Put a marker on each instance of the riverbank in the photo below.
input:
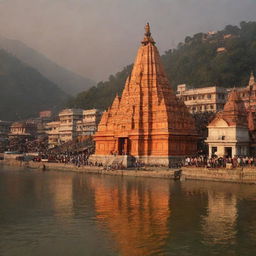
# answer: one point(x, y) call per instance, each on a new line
point(237, 175)
point(147, 172)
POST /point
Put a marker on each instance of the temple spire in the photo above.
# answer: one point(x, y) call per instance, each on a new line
point(147, 30)
point(147, 36)
point(252, 79)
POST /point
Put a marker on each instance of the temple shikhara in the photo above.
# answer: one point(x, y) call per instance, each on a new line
point(229, 130)
point(148, 122)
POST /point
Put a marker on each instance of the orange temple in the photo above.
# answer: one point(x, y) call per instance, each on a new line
point(148, 122)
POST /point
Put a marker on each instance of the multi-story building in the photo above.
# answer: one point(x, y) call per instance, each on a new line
point(248, 94)
point(41, 122)
point(207, 99)
point(88, 125)
point(53, 133)
point(45, 114)
point(72, 123)
point(25, 129)
point(68, 124)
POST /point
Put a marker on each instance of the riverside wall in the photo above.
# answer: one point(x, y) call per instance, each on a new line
point(238, 175)
point(154, 173)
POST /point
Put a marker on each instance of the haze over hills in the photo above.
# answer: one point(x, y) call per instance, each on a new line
point(24, 91)
point(225, 58)
point(68, 81)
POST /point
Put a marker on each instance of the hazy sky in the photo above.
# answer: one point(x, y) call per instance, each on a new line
point(98, 37)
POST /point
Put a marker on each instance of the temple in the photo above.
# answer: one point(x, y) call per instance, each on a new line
point(229, 131)
point(148, 122)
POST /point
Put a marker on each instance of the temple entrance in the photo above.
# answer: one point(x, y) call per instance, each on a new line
point(123, 146)
point(228, 151)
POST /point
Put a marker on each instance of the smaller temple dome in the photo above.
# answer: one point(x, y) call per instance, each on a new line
point(234, 112)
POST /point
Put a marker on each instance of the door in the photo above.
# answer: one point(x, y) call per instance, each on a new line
point(228, 151)
point(123, 146)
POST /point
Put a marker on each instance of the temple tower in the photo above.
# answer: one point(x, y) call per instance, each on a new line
point(147, 122)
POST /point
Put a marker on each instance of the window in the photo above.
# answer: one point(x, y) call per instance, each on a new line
point(209, 96)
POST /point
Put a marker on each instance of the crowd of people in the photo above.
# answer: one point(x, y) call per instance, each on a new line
point(67, 155)
point(25, 144)
point(76, 158)
point(220, 162)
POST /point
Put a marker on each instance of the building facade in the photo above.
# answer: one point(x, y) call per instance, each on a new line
point(248, 94)
point(148, 122)
point(207, 99)
point(88, 125)
point(23, 129)
point(68, 124)
point(72, 123)
point(53, 134)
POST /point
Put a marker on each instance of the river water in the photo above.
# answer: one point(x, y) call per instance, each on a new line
point(55, 213)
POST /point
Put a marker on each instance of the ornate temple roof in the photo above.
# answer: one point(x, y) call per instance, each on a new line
point(234, 112)
point(148, 103)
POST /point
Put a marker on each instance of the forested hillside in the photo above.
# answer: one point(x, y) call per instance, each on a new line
point(24, 91)
point(67, 80)
point(224, 58)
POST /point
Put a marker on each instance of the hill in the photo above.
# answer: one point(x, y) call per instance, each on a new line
point(224, 58)
point(67, 80)
point(24, 91)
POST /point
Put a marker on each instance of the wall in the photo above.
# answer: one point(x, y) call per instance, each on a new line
point(238, 175)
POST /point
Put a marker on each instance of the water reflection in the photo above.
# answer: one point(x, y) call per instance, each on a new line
point(136, 212)
point(62, 196)
point(219, 226)
point(55, 213)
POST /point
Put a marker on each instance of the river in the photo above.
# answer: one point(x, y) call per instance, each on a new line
point(65, 213)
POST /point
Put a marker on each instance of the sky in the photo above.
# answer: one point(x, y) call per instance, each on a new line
point(96, 38)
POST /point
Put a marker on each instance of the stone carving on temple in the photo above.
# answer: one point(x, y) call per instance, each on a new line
point(148, 121)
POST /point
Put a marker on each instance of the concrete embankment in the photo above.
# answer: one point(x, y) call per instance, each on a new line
point(156, 172)
point(238, 175)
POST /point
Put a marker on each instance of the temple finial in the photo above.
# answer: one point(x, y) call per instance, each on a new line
point(252, 79)
point(147, 30)
point(147, 37)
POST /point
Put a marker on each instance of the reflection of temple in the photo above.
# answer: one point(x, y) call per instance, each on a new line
point(148, 122)
point(219, 226)
point(136, 214)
